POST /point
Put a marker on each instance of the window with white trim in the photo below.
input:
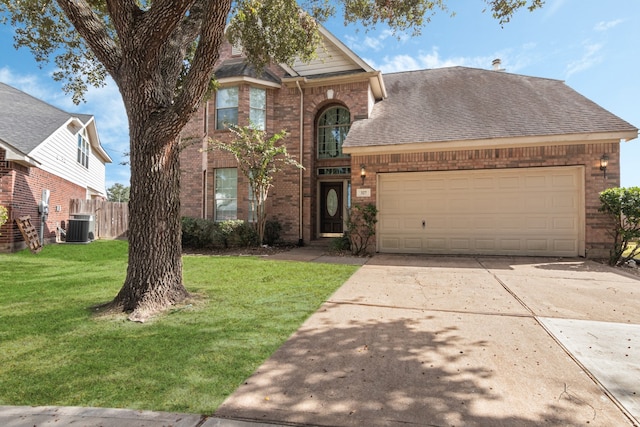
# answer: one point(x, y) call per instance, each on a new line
point(333, 126)
point(226, 107)
point(226, 194)
point(83, 148)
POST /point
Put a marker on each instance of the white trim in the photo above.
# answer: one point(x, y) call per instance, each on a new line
point(481, 144)
point(233, 81)
point(341, 46)
point(579, 172)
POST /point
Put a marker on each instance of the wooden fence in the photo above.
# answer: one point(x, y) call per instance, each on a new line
point(111, 218)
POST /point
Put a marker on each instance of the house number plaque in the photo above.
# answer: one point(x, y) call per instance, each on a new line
point(363, 192)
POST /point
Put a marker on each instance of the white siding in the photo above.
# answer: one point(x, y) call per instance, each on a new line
point(329, 60)
point(58, 155)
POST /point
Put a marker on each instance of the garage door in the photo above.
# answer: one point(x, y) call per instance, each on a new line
point(529, 211)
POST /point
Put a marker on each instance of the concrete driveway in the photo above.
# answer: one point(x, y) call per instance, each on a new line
point(448, 341)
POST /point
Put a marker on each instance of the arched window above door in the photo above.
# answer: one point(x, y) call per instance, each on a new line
point(333, 126)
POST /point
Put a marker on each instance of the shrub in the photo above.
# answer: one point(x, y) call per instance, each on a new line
point(622, 207)
point(3, 215)
point(197, 232)
point(272, 231)
point(340, 244)
point(361, 227)
point(235, 233)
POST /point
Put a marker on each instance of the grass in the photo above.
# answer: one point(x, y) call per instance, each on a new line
point(631, 247)
point(54, 351)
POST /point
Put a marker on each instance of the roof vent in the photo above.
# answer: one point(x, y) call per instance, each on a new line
point(496, 64)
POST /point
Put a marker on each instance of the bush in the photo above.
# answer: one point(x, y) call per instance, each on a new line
point(235, 232)
point(622, 207)
point(197, 232)
point(272, 231)
point(340, 244)
point(3, 215)
point(361, 227)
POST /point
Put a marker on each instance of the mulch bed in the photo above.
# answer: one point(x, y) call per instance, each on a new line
point(247, 251)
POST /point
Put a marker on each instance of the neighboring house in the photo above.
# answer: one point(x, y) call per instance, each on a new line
point(457, 160)
point(45, 148)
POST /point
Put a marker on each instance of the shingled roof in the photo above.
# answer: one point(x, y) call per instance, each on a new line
point(25, 121)
point(240, 68)
point(460, 103)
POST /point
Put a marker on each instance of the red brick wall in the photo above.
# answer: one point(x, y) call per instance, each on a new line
point(193, 165)
point(21, 190)
point(597, 240)
point(283, 112)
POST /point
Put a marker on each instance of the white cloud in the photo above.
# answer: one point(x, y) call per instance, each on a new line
point(432, 59)
point(605, 25)
point(374, 40)
point(592, 56)
point(28, 83)
point(552, 7)
point(373, 43)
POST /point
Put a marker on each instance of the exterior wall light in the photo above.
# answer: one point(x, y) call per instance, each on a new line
point(363, 173)
point(604, 162)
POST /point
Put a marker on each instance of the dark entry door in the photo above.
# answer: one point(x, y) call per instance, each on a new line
point(331, 199)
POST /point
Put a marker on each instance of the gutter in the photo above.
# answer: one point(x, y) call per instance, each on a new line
point(301, 198)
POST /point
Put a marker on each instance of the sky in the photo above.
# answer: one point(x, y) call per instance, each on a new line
point(591, 45)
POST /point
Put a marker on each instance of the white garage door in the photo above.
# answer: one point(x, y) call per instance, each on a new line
point(528, 211)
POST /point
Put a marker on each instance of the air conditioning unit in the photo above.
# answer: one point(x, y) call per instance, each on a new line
point(81, 228)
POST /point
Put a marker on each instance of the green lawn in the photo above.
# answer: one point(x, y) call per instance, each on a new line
point(54, 351)
point(631, 247)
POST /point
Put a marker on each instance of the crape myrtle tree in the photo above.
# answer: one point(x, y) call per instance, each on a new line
point(259, 158)
point(161, 55)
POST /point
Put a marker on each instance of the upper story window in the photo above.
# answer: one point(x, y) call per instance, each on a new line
point(258, 108)
point(226, 107)
point(333, 126)
point(83, 148)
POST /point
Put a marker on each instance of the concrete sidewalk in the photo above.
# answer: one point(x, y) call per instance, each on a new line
point(44, 416)
point(457, 342)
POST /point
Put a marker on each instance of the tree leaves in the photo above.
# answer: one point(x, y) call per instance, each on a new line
point(622, 206)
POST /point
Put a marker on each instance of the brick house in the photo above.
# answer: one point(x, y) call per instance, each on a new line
point(45, 148)
point(457, 160)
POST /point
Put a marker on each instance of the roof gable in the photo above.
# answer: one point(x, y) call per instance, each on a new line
point(332, 57)
point(459, 103)
point(28, 121)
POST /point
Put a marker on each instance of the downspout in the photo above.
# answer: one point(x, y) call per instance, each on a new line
point(300, 203)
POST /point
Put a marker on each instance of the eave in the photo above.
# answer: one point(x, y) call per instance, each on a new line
point(231, 81)
point(493, 143)
point(374, 78)
point(14, 155)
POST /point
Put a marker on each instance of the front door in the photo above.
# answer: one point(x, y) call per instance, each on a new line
point(331, 207)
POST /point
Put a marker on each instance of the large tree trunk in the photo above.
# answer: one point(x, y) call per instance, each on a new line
point(154, 274)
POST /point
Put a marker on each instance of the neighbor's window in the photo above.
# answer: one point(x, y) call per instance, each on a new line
point(258, 108)
point(83, 148)
point(333, 127)
point(226, 187)
point(226, 107)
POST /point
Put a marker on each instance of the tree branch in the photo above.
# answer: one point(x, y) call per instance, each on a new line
point(122, 14)
point(94, 31)
point(160, 22)
point(197, 79)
